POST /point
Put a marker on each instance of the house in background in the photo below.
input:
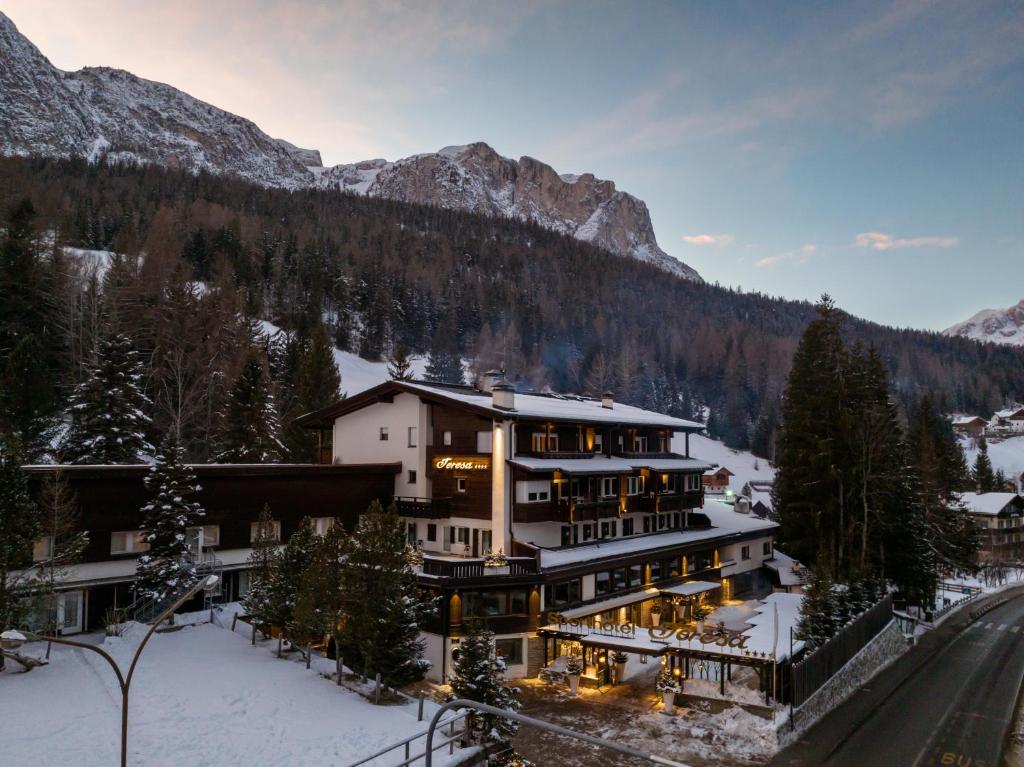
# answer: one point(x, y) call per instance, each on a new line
point(999, 518)
point(759, 492)
point(970, 425)
point(717, 480)
point(1010, 420)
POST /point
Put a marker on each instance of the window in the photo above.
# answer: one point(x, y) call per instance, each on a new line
point(412, 436)
point(620, 577)
point(640, 444)
point(411, 533)
point(485, 540)
point(412, 476)
point(484, 441)
point(211, 535)
point(383, 433)
point(542, 442)
point(586, 532)
point(602, 583)
point(533, 491)
point(636, 575)
point(431, 532)
point(127, 541)
point(627, 527)
point(693, 482)
point(605, 529)
point(662, 518)
point(511, 650)
point(320, 525)
point(446, 438)
point(609, 486)
point(484, 604)
point(254, 529)
point(766, 548)
point(598, 443)
point(460, 484)
point(634, 485)
point(656, 572)
point(562, 593)
point(566, 535)
point(42, 549)
point(647, 523)
point(745, 552)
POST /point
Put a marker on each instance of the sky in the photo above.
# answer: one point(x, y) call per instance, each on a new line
point(871, 150)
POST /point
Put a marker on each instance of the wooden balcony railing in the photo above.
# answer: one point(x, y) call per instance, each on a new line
point(474, 568)
point(424, 508)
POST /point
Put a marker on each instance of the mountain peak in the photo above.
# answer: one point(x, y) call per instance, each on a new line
point(103, 113)
point(1000, 326)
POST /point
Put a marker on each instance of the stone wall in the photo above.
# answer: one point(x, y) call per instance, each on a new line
point(873, 657)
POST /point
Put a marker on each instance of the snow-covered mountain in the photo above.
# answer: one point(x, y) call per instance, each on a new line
point(110, 114)
point(1001, 326)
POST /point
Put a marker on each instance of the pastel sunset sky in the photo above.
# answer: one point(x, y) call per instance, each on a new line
point(874, 150)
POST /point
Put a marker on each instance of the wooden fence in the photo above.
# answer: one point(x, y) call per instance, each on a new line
point(816, 668)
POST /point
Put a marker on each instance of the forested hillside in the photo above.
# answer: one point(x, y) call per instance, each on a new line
point(194, 253)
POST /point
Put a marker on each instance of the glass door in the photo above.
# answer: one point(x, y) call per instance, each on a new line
point(69, 612)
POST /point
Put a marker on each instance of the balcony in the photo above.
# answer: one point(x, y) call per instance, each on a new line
point(424, 508)
point(453, 567)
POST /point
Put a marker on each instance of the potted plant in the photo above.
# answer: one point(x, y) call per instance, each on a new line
point(700, 612)
point(668, 685)
point(620, 659)
point(573, 669)
point(496, 562)
point(655, 614)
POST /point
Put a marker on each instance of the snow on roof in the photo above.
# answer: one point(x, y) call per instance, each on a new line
point(725, 522)
point(562, 407)
point(764, 497)
point(689, 588)
point(964, 420)
point(987, 503)
point(609, 604)
point(1010, 412)
point(786, 567)
point(114, 571)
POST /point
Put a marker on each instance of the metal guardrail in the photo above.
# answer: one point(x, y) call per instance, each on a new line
point(406, 744)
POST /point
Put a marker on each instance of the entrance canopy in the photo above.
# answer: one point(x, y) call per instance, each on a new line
point(690, 588)
point(624, 638)
point(610, 604)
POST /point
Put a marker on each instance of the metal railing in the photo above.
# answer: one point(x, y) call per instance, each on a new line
point(406, 745)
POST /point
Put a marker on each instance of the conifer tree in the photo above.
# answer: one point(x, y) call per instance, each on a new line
point(19, 528)
point(108, 409)
point(319, 597)
point(479, 675)
point(381, 610)
point(316, 385)
point(400, 366)
point(443, 363)
point(286, 576)
point(167, 567)
point(984, 477)
point(262, 561)
point(30, 340)
point(251, 432)
point(820, 609)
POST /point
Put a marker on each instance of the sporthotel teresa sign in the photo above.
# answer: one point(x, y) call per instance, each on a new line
point(462, 463)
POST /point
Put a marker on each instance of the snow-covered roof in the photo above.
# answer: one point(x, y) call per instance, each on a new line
point(987, 503)
point(786, 567)
point(117, 570)
point(1010, 412)
point(763, 497)
point(966, 420)
point(562, 407)
point(690, 588)
point(725, 522)
point(612, 603)
point(605, 465)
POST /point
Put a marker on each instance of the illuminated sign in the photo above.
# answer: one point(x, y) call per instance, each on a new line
point(462, 463)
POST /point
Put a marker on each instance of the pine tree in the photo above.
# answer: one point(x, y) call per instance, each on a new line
point(400, 366)
point(479, 675)
point(286, 576)
point(262, 561)
point(316, 385)
point(984, 477)
point(319, 598)
point(443, 363)
point(109, 408)
point(381, 610)
point(819, 611)
point(19, 528)
point(167, 567)
point(251, 432)
point(31, 346)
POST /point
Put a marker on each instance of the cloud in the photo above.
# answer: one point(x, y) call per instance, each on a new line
point(883, 241)
point(801, 255)
point(718, 240)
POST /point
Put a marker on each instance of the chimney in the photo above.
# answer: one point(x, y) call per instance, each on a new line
point(607, 401)
point(489, 379)
point(503, 396)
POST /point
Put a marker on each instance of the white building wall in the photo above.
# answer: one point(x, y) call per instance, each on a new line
point(546, 534)
point(733, 552)
point(357, 439)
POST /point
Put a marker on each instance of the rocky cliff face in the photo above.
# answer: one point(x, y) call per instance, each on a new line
point(1000, 326)
point(110, 114)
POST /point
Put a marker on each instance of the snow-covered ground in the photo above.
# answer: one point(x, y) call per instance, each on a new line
point(202, 696)
point(746, 466)
point(1007, 454)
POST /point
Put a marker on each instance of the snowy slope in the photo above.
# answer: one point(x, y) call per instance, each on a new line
point(1007, 454)
point(1001, 326)
point(746, 466)
point(109, 114)
point(201, 696)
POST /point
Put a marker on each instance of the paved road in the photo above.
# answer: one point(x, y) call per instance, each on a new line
point(953, 709)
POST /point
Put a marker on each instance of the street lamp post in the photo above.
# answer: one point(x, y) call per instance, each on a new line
point(124, 682)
